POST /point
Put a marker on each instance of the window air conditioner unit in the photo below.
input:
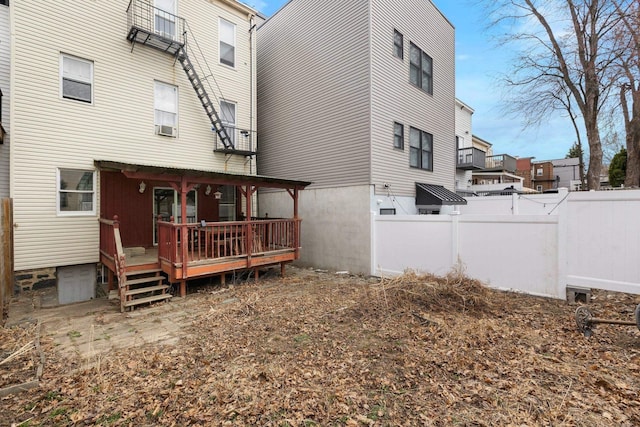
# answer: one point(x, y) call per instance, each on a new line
point(165, 130)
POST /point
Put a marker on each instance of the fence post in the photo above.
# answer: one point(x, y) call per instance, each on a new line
point(562, 236)
point(455, 237)
point(6, 257)
point(515, 209)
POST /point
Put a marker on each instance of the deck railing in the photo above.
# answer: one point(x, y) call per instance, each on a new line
point(107, 237)
point(211, 241)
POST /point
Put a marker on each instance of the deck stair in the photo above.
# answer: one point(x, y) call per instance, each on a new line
point(142, 287)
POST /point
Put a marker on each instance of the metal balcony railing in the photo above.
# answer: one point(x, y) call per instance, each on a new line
point(244, 141)
point(471, 158)
point(156, 27)
point(501, 162)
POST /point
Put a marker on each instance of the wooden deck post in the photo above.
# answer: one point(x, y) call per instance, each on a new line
point(183, 288)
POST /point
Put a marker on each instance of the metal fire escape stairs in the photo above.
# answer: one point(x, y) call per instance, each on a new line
point(204, 98)
point(143, 29)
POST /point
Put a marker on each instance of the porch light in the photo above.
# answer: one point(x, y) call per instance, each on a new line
point(217, 195)
point(142, 187)
point(207, 190)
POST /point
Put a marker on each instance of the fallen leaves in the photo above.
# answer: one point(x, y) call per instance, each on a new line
point(318, 349)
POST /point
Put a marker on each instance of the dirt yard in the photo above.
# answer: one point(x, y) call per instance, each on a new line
point(337, 350)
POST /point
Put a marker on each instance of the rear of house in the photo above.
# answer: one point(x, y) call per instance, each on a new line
point(112, 118)
point(364, 113)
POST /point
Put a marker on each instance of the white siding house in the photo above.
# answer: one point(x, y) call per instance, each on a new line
point(358, 98)
point(102, 124)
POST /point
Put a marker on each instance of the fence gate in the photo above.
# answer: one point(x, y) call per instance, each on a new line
point(6, 255)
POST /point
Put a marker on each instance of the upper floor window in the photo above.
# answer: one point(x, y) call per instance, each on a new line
point(398, 135)
point(166, 109)
point(76, 192)
point(421, 69)
point(227, 34)
point(398, 44)
point(165, 18)
point(539, 172)
point(228, 118)
point(421, 153)
point(76, 78)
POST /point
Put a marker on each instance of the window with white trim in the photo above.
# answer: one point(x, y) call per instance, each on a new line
point(76, 78)
point(165, 18)
point(227, 36)
point(421, 149)
point(539, 172)
point(228, 119)
point(166, 109)
point(420, 69)
point(76, 192)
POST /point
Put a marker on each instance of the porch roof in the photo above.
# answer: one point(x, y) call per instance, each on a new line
point(170, 174)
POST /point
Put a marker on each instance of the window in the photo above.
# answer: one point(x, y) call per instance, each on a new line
point(228, 118)
point(76, 78)
point(76, 194)
point(387, 211)
point(421, 152)
point(421, 69)
point(539, 188)
point(227, 34)
point(227, 203)
point(398, 44)
point(398, 135)
point(539, 172)
point(166, 109)
point(165, 18)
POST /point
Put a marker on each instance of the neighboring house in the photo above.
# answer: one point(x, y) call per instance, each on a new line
point(359, 98)
point(524, 170)
point(542, 176)
point(147, 111)
point(568, 173)
point(469, 158)
point(498, 173)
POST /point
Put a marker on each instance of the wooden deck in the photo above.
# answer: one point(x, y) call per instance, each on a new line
point(209, 249)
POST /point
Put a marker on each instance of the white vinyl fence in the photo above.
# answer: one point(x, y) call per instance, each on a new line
point(533, 244)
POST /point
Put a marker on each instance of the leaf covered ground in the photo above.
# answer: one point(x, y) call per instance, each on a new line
point(336, 350)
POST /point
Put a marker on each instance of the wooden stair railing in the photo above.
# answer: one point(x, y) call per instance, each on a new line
point(136, 286)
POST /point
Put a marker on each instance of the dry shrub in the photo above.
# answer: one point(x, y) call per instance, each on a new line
point(453, 292)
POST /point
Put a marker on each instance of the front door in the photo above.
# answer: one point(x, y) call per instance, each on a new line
point(167, 204)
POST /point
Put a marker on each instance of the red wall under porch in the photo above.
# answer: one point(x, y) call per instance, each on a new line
point(120, 196)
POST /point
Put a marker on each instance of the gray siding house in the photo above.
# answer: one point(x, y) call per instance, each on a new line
point(359, 98)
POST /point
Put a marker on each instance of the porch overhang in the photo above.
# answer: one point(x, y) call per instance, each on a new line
point(197, 176)
point(436, 195)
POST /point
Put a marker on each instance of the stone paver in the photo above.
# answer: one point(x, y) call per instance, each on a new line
point(93, 328)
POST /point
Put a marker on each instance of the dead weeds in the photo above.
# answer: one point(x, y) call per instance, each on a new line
point(321, 349)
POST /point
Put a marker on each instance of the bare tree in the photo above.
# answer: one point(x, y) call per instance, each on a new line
point(628, 77)
point(566, 45)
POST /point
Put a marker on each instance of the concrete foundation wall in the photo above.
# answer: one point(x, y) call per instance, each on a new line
point(336, 225)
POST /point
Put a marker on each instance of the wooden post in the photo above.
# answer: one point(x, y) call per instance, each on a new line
point(6, 258)
point(184, 238)
point(249, 234)
point(183, 287)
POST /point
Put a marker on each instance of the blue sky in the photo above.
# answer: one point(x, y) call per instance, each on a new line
point(479, 63)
